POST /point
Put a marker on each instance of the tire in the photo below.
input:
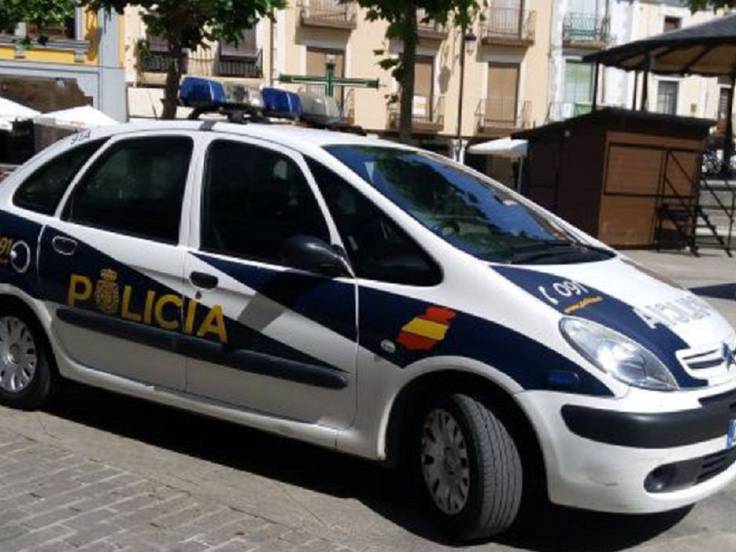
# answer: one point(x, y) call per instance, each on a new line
point(27, 372)
point(481, 460)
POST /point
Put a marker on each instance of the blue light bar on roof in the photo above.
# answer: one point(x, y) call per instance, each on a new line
point(200, 92)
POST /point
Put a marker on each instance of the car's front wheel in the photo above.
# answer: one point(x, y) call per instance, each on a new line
point(470, 466)
point(26, 373)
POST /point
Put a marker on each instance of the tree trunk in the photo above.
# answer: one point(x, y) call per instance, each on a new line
point(173, 76)
point(408, 61)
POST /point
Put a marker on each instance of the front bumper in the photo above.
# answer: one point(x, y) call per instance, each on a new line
point(607, 455)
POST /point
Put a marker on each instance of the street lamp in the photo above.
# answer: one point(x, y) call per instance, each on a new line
point(467, 38)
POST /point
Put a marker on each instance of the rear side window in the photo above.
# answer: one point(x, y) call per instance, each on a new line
point(43, 190)
point(136, 188)
point(378, 249)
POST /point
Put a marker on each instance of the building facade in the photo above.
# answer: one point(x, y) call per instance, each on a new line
point(506, 59)
point(601, 24)
point(80, 64)
point(523, 64)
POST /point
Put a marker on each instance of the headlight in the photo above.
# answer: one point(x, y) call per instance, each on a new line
point(617, 355)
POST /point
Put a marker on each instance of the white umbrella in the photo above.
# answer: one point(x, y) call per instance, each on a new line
point(502, 147)
point(15, 111)
point(12, 111)
point(75, 118)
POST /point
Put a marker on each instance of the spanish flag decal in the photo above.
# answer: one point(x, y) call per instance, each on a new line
point(424, 332)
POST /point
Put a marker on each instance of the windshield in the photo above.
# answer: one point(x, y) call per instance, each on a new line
point(469, 212)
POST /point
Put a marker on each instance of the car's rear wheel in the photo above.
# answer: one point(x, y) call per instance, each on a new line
point(26, 375)
point(470, 467)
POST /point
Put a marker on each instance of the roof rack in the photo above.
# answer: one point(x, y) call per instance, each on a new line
point(235, 113)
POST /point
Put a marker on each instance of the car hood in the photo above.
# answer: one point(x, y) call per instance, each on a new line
point(685, 332)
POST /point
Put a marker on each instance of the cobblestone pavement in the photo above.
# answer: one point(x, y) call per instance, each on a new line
point(55, 500)
point(98, 472)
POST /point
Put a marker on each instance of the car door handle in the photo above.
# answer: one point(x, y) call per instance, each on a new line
point(203, 280)
point(63, 245)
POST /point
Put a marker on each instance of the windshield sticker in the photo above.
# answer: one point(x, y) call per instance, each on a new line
point(426, 331)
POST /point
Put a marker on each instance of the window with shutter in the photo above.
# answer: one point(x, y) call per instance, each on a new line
point(501, 99)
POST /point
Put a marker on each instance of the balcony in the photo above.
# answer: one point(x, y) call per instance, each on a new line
point(158, 62)
point(328, 14)
point(428, 114)
point(202, 63)
point(499, 116)
point(585, 30)
point(509, 27)
point(559, 111)
point(428, 28)
point(246, 66)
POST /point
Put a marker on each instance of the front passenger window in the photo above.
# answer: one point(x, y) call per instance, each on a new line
point(254, 200)
point(377, 247)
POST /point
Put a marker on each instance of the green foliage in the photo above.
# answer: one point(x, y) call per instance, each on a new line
point(42, 13)
point(696, 5)
point(190, 23)
point(401, 16)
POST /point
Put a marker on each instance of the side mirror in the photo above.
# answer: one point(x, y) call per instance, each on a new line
point(313, 254)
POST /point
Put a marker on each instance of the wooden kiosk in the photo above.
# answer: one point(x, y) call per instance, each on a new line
point(610, 172)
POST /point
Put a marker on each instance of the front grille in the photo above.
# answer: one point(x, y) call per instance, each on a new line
point(714, 464)
point(685, 474)
point(703, 361)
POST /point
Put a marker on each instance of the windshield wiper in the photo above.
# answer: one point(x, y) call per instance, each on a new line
point(551, 248)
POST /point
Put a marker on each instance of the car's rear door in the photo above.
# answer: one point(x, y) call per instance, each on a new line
point(284, 342)
point(111, 264)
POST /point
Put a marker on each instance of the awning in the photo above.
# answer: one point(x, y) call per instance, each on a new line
point(75, 118)
point(511, 148)
point(707, 49)
point(12, 111)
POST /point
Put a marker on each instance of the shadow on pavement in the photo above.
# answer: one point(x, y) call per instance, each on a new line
point(384, 491)
point(719, 291)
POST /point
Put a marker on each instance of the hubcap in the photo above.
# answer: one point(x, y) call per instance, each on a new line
point(17, 355)
point(444, 456)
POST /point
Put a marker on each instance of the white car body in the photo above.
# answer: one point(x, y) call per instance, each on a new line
point(503, 330)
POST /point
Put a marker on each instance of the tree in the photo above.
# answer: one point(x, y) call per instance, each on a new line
point(189, 24)
point(41, 13)
point(696, 5)
point(402, 19)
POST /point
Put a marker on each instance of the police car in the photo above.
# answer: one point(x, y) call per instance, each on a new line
point(368, 297)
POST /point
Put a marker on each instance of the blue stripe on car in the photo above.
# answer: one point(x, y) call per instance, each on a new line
point(610, 312)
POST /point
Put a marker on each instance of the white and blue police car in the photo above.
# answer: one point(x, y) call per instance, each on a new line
point(368, 297)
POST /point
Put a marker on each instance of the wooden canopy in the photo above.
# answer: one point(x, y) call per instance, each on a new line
point(707, 49)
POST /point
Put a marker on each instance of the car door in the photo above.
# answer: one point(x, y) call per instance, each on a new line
point(111, 266)
point(270, 338)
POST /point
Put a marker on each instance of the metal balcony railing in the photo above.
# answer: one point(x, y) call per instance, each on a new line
point(426, 112)
point(585, 28)
point(509, 25)
point(328, 13)
point(501, 113)
point(158, 62)
point(241, 66)
point(203, 63)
